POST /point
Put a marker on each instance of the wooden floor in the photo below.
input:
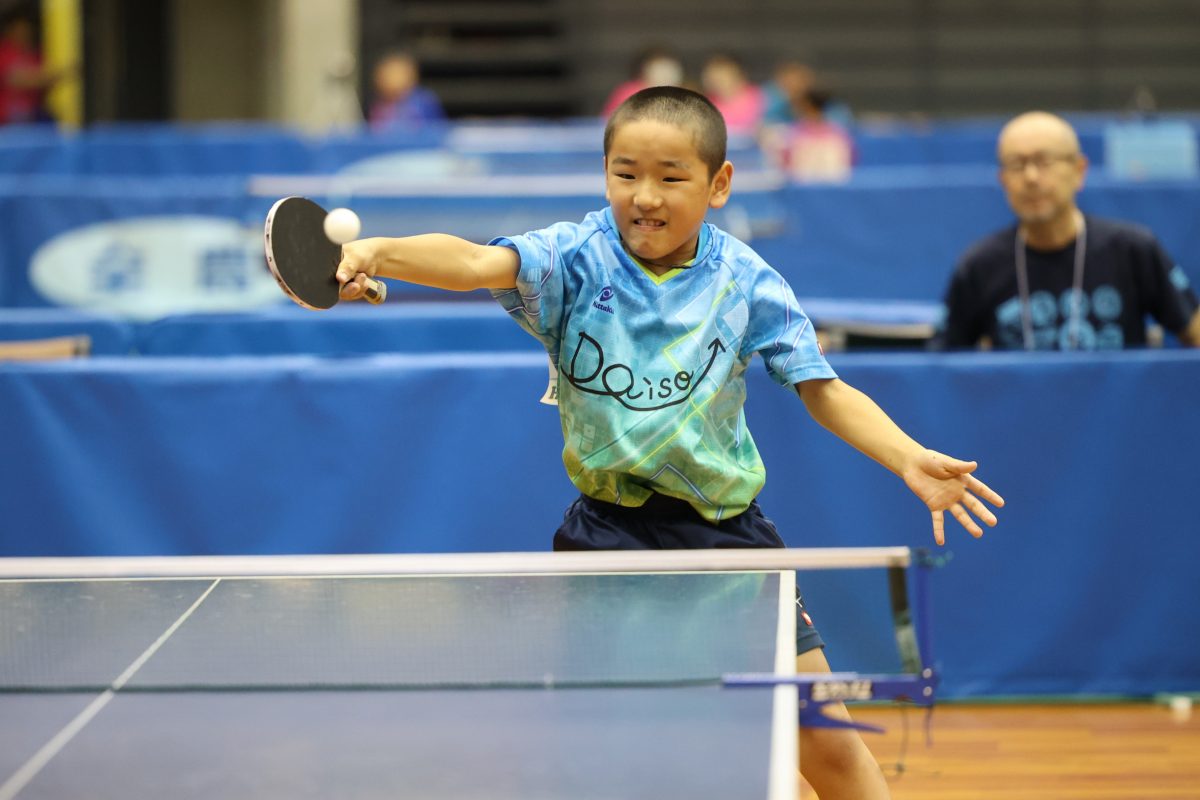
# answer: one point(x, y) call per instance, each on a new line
point(1035, 752)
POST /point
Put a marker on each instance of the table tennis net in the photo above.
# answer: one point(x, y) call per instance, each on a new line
point(386, 632)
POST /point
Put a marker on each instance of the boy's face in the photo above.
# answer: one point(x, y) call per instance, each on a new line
point(660, 190)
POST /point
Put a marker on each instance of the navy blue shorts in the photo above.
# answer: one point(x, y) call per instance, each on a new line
point(664, 523)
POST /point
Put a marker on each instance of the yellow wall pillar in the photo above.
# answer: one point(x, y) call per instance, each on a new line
point(62, 48)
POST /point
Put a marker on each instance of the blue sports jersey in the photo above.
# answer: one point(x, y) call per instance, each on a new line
point(651, 369)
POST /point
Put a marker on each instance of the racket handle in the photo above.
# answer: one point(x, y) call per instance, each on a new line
point(376, 291)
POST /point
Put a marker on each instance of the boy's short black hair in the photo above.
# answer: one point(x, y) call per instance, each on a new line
point(683, 108)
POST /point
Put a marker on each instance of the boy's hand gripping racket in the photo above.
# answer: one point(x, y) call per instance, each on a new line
point(303, 259)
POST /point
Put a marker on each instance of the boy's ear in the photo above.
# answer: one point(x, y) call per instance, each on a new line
point(722, 184)
point(607, 199)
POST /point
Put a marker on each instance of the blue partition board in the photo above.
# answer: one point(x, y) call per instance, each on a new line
point(469, 322)
point(344, 330)
point(888, 234)
point(898, 233)
point(244, 149)
point(518, 147)
point(109, 336)
point(1085, 588)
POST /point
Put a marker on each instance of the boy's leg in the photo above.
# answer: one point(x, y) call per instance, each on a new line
point(836, 761)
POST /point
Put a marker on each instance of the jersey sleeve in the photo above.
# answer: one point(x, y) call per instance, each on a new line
point(538, 301)
point(782, 333)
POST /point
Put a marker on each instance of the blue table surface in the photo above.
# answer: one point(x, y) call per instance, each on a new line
point(391, 686)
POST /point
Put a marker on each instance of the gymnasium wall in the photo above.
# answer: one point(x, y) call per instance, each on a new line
point(936, 57)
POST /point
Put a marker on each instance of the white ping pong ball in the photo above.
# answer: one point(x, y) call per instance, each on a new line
point(342, 225)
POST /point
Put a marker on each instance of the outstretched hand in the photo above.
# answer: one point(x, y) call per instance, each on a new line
point(944, 483)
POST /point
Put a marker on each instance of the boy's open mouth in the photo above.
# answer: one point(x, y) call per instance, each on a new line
point(649, 223)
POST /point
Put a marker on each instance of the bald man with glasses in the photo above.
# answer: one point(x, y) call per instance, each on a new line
point(1059, 279)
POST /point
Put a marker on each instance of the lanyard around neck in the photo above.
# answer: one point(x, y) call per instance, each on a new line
point(1076, 289)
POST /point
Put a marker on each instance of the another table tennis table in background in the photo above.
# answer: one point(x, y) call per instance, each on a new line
point(531, 675)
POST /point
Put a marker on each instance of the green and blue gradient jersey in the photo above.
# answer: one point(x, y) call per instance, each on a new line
point(651, 369)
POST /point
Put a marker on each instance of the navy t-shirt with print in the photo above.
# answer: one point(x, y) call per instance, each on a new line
point(1127, 277)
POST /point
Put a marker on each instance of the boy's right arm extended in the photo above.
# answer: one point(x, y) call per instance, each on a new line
point(431, 259)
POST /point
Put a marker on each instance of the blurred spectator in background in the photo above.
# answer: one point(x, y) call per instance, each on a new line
point(24, 80)
point(1059, 279)
point(399, 99)
point(742, 103)
point(786, 92)
point(812, 148)
point(790, 81)
point(654, 66)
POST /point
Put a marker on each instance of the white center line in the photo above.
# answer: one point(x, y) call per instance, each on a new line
point(29, 770)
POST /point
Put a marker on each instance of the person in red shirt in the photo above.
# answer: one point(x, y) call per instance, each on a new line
point(24, 80)
point(741, 102)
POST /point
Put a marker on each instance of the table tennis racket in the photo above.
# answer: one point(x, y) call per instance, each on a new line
point(302, 259)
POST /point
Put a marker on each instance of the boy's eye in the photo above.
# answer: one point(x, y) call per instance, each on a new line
point(674, 180)
point(624, 176)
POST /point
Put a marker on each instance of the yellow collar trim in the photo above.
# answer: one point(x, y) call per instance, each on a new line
point(666, 276)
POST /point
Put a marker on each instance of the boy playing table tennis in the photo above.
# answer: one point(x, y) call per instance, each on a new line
point(651, 317)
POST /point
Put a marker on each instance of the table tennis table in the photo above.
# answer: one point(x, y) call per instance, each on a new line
point(530, 675)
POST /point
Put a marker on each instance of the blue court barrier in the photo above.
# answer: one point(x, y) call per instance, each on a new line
point(244, 149)
point(234, 149)
point(100, 242)
point(472, 324)
point(513, 148)
point(888, 234)
point(108, 335)
point(1085, 587)
point(284, 329)
point(898, 233)
point(350, 330)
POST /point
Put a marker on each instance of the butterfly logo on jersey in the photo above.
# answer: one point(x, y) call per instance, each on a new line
point(603, 299)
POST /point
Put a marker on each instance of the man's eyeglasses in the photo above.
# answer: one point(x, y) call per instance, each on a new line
point(1043, 161)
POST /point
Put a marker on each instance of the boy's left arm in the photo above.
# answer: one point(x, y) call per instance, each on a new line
point(941, 482)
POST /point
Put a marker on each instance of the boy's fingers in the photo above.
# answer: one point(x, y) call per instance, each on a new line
point(939, 528)
point(979, 509)
point(983, 490)
point(965, 520)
